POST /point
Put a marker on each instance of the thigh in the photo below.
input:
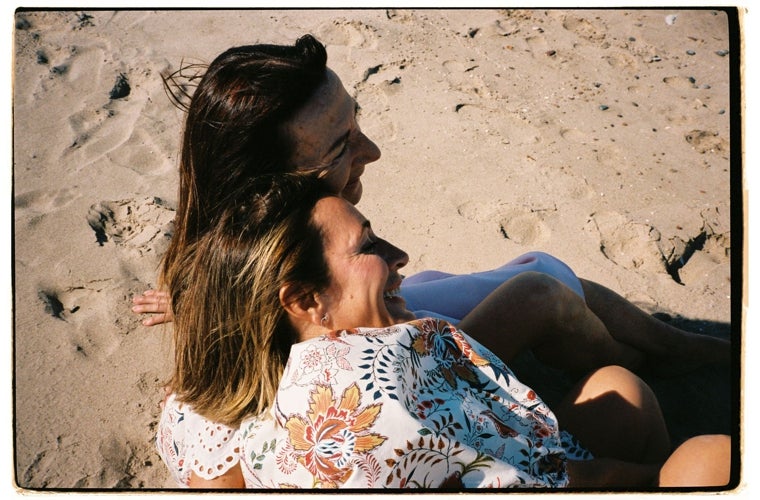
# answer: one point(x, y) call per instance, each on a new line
point(517, 315)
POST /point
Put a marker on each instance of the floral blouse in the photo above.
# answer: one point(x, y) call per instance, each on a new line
point(404, 406)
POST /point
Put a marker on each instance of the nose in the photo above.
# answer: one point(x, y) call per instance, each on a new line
point(367, 151)
point(394, 256)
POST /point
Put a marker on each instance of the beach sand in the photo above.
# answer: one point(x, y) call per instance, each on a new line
point(602, 137)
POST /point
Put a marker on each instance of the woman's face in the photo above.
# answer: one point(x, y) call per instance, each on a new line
point(328, 138)
point(364, 270)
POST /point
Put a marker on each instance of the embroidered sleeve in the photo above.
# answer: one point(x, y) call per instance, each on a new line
point(187, 443)
point(212, 448)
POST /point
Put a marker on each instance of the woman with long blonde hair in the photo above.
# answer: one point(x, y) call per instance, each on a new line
point(336, 384)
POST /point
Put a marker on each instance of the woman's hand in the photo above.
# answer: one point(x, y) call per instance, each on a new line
point(452, 482)
point(153, 302)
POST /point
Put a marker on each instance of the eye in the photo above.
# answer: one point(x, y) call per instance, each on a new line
point(341, 154)
point(370, 247)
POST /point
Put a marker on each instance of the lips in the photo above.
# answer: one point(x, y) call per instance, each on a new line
point(357, 175)
point(394, 289)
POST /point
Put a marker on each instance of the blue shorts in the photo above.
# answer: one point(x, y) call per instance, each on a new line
point(452, 296)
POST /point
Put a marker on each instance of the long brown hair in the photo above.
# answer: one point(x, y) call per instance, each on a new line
point(234, 128)
point(232, 336)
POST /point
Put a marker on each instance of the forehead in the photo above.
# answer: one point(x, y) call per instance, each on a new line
point(338, 219)
point(330, 94)
point(324, 118)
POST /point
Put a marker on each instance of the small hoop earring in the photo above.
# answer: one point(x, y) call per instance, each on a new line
point(324, 319)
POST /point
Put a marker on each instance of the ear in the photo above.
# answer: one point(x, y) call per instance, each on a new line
point(302, 307)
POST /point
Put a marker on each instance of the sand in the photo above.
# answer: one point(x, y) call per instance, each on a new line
point(602, 137)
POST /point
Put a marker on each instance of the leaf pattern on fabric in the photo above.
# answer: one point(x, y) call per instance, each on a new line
point(333, 434)
point(403, 407)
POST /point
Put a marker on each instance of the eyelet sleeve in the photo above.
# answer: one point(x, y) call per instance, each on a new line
point(188, 442)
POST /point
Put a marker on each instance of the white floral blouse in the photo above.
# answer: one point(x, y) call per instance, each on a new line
point(403, 407)
point(428, 294)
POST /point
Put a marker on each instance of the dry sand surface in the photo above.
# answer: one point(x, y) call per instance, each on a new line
point(602, 137)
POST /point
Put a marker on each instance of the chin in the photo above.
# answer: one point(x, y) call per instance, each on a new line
point(353, 192)
point(405, 318)
point(401, 315)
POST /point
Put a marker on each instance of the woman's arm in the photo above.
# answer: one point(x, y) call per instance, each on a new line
point(153, 302)
point(232, 479)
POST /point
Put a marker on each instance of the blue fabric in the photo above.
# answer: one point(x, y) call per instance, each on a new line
point(452, 296)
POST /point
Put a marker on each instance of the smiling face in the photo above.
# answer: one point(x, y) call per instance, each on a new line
point(328, 139)
point(364, 270)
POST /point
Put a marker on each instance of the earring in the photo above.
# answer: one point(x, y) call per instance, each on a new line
point(324, 319)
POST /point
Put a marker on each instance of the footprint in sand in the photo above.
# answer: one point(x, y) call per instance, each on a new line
point(42, 462)
point(585, 28)
point(705, 251)
point(63, 303)
point(509, 128)
point(117, 459)
point(707, 142)
point(463, 76)
point(86, 123)
point(520, 225)
point(680, 82)
point(500, 29)
point(44, 201)
point(94, 312)
point(143, 225)
point(538, 46)
point(524, 227)
point(354, 34)
point(622, 61)
point(641, 247)
point(574, 135)
point(629, 244)
point(373, 91)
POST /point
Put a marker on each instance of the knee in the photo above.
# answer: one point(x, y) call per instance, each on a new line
point(559, 306)
point(629, 411)
point(626, 387)
point(699, 461)
point(542, 289)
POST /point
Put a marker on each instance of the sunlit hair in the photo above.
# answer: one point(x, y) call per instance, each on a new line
point(235, 127)
point(232, 337)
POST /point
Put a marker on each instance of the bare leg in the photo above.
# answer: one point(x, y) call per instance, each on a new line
point(535, 311)
point(616, 415)
point(633, 326)
point(698, 462)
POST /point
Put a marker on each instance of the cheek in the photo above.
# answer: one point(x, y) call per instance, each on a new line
point(337, 178)
point(358, 300)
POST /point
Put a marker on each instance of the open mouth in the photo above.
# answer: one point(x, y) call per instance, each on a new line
point(390, 294)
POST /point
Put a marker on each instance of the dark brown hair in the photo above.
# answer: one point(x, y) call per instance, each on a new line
point(234, 128)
